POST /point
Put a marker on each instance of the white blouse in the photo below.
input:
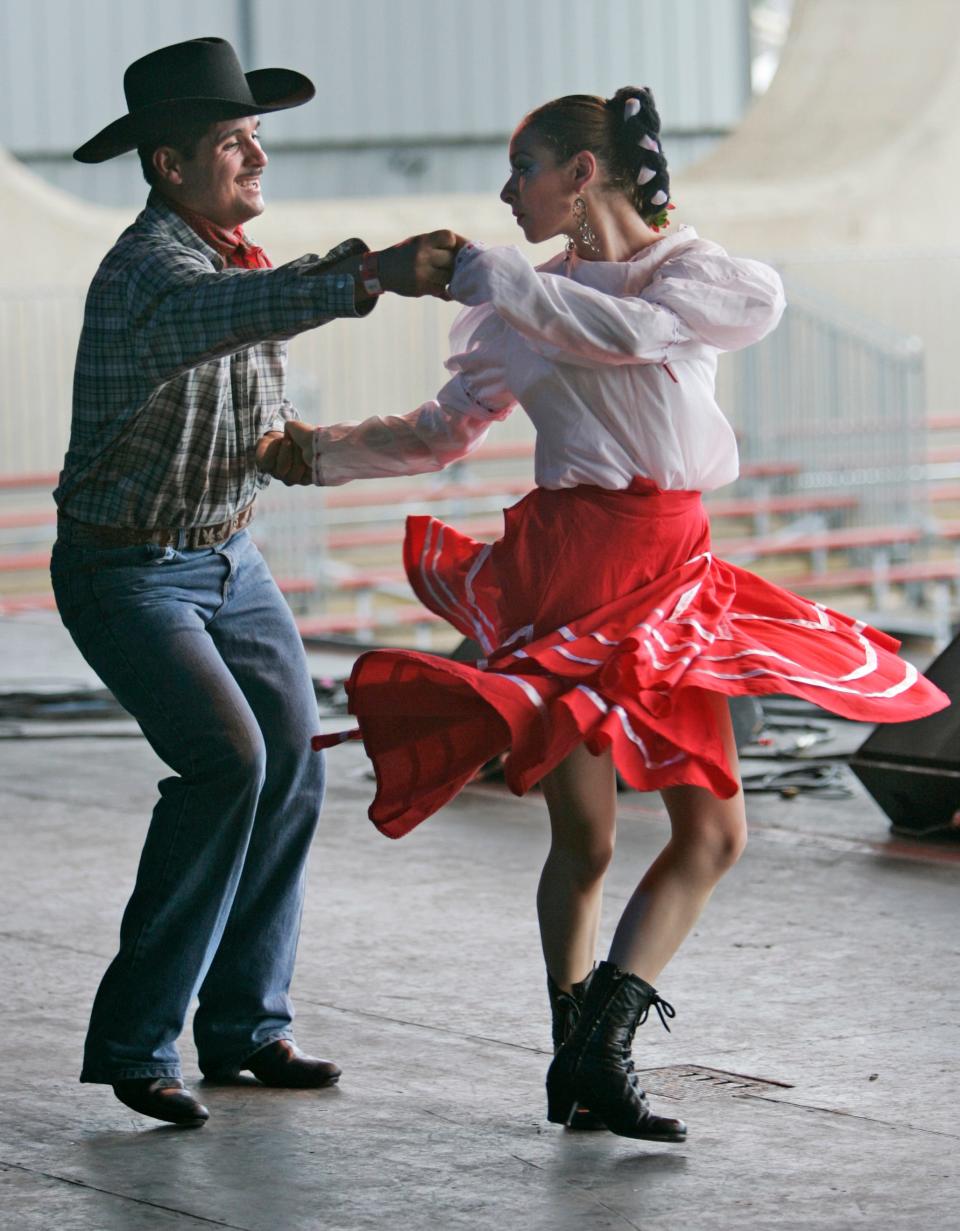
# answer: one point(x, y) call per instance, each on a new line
point(614, 362)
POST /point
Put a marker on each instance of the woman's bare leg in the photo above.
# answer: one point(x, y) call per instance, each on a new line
point(707, 838)
point(581, 795)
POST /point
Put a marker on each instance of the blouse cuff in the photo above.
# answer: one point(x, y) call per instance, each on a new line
point(470, 250)
point(468, 285)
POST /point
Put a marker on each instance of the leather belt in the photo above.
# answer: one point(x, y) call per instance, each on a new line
point(83, 534)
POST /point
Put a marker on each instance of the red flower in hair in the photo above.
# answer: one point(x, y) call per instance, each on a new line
point(661, 220)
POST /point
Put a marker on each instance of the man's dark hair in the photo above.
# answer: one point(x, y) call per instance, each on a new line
point(183, 135)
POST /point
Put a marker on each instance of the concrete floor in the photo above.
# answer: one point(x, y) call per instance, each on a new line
point(814, 1055)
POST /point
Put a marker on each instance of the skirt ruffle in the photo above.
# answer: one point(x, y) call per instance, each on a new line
point(604, 618)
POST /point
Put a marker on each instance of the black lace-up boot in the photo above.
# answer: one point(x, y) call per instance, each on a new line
point(594, 1065)
point(565, 1013)
point(565, 1008)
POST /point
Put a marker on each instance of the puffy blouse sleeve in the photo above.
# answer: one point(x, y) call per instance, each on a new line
point(478, 387)
point(439, 432)
point(723, 301)
point(712, 300)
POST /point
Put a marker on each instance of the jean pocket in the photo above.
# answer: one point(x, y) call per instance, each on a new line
point(127, 569)
point(67, 557)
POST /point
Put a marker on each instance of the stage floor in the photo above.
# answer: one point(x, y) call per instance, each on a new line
point(813, 1056)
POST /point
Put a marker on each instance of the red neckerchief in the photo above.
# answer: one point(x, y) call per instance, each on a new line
point(233, 246)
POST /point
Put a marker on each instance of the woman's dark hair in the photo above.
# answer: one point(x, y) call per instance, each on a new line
point(183, 134)
point(624, 139)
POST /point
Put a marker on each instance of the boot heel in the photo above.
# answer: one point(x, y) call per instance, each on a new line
point(561, 1110)
point(561, 1105)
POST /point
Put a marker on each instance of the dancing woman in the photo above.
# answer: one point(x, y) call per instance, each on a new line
point(611, 633)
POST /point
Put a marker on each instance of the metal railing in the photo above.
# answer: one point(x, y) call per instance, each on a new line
point(841, 397)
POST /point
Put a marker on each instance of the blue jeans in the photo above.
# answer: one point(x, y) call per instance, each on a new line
point(202, 650)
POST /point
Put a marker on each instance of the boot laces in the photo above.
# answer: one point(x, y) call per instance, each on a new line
point(664, 1008)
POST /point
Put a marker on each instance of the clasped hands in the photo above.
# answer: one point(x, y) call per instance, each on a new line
point(421, 265)
point(288, 455)
point(279, 456)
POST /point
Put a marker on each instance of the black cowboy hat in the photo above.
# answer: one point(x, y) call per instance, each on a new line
point(200, 79)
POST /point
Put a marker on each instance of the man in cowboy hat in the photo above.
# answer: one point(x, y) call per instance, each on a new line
point(178, 416)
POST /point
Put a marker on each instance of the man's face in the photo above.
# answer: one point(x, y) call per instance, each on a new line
point(222, 180)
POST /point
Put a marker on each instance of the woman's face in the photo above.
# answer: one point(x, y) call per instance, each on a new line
point(539, 191)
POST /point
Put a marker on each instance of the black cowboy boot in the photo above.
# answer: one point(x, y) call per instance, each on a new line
point(594, 1065)
point(565, 1013)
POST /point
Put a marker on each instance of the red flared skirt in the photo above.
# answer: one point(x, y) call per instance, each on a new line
point(604, 618)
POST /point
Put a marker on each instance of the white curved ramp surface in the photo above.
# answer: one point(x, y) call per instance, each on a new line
point(855, 143)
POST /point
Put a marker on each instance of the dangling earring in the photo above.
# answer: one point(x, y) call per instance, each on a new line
point(587, 234)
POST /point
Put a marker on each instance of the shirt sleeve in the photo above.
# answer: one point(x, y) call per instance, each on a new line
point(286, 410)
point(716, 301)
point(725, 302)
point(387, 446)
point(437, 433)
point(479, 338)
point(181, 312)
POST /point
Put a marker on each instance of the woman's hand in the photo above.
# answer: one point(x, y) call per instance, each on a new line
point(300, 437)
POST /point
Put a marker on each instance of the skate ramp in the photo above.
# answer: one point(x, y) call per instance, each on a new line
point(854, 145)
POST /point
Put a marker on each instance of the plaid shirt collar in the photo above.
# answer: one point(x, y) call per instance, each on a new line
point(160, 212)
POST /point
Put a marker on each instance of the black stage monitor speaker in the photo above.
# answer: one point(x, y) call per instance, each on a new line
point(912, 769)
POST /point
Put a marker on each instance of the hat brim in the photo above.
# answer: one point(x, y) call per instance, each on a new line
point(272, 89)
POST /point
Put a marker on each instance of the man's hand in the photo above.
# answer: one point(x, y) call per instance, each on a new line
point(278, 456)
point(421, 265)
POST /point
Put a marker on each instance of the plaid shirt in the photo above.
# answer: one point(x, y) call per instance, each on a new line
point(180, 370)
